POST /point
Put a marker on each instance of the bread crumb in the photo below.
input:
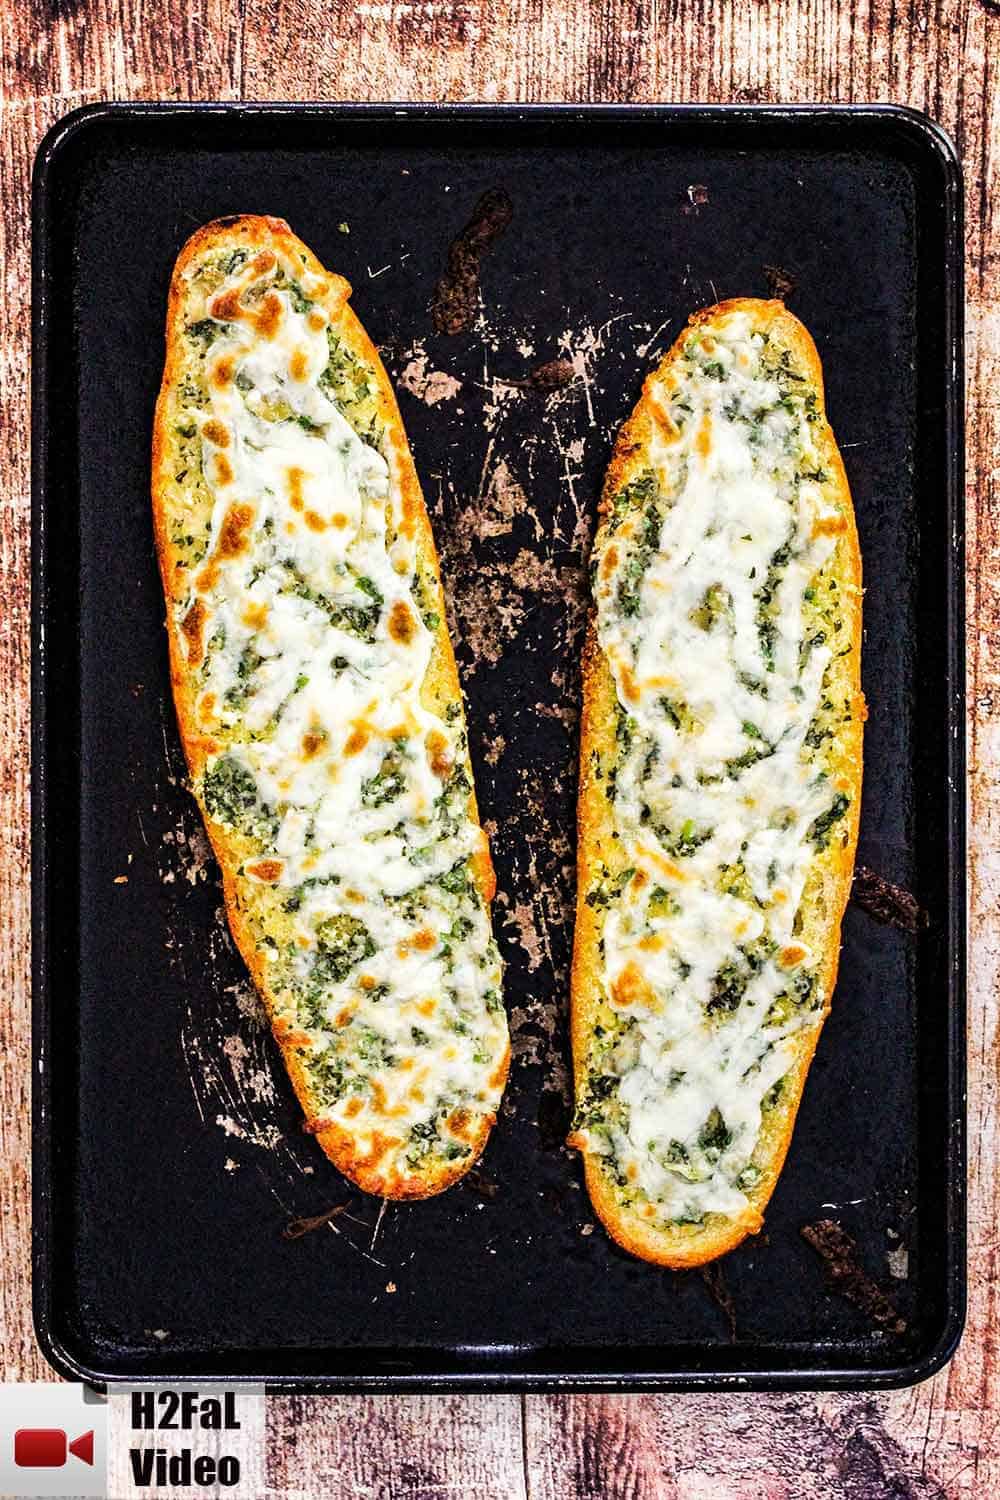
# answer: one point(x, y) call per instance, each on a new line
point(121, 880)
point(390, 1286)
point(899, 1262)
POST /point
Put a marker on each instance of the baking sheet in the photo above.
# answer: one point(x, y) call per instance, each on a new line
point(173, 1182)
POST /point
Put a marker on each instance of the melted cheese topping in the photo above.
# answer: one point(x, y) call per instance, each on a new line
point(719, 624)
point(303, 624)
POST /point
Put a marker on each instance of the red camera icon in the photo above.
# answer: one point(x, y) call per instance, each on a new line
point(48, 1448)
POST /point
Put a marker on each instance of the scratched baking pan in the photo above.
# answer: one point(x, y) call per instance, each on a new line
point(185, 1225)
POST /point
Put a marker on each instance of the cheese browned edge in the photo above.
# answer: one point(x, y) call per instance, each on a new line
point(376, 1162)
point(631, 1218)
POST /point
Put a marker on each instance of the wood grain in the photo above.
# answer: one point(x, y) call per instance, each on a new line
point(940, 1439)
point(384, 1447)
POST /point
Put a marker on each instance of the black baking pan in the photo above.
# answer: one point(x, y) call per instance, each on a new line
point(184, 1224)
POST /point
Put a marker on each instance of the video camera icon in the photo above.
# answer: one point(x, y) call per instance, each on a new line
point(49, 1447)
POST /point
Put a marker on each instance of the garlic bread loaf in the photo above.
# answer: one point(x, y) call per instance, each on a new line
point(720, 780)
point(320, 709)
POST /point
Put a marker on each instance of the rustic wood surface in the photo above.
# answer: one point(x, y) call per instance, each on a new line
point(939, 1439)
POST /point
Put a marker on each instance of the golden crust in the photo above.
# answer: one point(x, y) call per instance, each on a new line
point(827, 893)
point(440, 687)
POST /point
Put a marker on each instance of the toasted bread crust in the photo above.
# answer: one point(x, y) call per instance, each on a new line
point(440, 687)
point(827, 892)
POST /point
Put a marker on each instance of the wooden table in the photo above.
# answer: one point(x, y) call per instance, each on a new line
point(940, 1439)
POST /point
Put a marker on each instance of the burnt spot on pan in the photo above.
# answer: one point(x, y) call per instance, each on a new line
point(888, 903)
point(296, 1228)
point(714, 1281)
point(453, 307)
point(481, 1185)
point(781, 283)
point(696, 199)
point(846, 1275)
point(553, 375)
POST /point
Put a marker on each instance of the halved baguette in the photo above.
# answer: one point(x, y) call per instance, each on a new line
point(721, 700)
point(320, 708)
